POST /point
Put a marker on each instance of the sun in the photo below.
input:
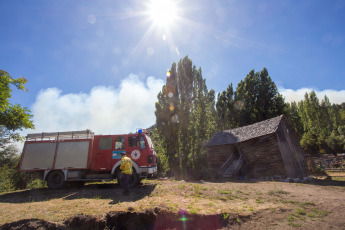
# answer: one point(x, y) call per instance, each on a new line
point(163, 12)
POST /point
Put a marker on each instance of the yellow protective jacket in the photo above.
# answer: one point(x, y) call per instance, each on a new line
point(126, 165)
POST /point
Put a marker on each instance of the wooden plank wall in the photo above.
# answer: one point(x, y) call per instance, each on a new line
point(262, 157)
point(217, 156)
point(292, 154)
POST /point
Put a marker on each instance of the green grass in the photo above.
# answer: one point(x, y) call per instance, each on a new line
point(181, 186)
point(296, 225)
point(300, 215)
point(173, 207)
point(243, 193)
point(317, 213)
point(224, 191)
point(259, 200)
point(222, 198)
point(293, 218)
point(225, 216)
point(338, 178)
point(300, 211)
point(308, 203)
point(192, 209)
point(277, 192)
point(211, 204)
point(290, 218)
point(203, 188)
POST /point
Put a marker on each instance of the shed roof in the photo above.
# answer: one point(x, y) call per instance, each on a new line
point(245, 133)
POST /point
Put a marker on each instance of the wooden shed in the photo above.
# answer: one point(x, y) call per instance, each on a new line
point(264, 149)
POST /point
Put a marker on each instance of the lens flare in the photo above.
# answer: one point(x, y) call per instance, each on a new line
point(91, 18)
point(174, 119)
point(239, 105)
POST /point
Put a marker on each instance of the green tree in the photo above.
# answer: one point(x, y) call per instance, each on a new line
point(322, 125)
point(13, 117)
point(292, 114)
point(202, 123)
point(185, 117)
point(227, 113)
point(222, 111)
point(246, 94)
point(167, 120)
point(260, 98)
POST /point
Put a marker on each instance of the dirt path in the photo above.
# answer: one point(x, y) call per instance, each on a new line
point(236, 204)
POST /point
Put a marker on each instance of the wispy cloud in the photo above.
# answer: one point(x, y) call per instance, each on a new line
point(336, 97)
point(104, 110)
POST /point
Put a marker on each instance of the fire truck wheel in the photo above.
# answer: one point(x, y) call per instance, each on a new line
point(56, 180)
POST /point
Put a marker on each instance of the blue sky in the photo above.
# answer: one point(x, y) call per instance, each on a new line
point(100, 64)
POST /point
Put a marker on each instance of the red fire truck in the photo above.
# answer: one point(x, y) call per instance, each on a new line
point(80, 156)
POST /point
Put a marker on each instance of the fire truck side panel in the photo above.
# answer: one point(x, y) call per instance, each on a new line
point(38, 156)
point(102, 153)
point(72, 154)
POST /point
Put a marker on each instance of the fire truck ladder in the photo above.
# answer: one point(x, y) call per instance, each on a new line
point(84, 134)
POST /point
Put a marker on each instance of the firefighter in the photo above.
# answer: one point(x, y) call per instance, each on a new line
point(126, 167)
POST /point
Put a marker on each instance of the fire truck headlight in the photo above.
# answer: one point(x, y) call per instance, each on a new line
point(150, 159)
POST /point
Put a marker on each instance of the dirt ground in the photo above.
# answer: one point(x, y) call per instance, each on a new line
point(169, 204)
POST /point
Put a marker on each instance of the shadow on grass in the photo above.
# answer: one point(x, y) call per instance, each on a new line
point(89, 191)
point(221, 181)
point(328, 181)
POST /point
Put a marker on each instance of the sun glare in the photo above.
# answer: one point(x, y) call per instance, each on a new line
point(163, 12)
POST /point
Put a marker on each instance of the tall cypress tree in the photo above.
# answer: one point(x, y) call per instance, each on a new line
point(185, 117)
point(167, 118)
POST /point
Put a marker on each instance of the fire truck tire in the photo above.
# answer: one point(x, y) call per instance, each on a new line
point(56, 180)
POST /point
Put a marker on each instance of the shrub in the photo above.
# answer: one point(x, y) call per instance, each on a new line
point(320, 171)
point(10, 179)
point(36, 183)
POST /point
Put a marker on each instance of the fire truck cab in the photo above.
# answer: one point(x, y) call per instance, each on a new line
point(80, 156)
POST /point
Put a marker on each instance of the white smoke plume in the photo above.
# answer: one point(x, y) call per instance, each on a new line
point(334, 96)
point(104, 110)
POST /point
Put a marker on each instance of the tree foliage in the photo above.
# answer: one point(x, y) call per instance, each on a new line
point(13, 117)
point(185, 118)
point(256, 99)
point(320, 124)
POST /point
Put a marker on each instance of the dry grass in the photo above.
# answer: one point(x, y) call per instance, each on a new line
point(199, 197)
